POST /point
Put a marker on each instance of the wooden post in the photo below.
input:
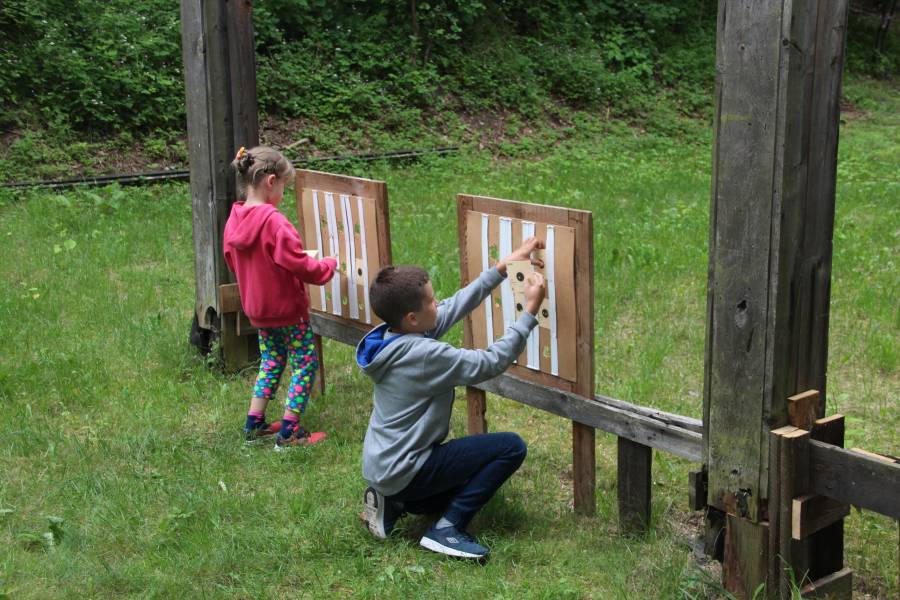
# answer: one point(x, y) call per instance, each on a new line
point(220, 88)
point(476, 406)
point(320, 354)
point(634, 475)
point(584, 468)
point(771, 220)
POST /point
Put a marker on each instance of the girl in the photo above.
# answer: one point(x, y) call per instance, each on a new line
point(265, 252)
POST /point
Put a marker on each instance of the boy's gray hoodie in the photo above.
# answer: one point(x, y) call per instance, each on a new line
point(415, 376)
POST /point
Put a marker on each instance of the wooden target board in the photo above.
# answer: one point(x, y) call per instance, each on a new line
point(347, 218)
point(559, 351)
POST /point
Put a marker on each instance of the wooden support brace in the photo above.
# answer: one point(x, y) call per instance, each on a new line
point(826, 546)
point(812, 513)
point(803, 409)
point(229, 298)
point(788, 477)
point(836, 586)
point(584, 468)
point(634, 479)
point(476, 407)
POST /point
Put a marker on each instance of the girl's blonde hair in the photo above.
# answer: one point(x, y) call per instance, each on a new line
point(254, 164)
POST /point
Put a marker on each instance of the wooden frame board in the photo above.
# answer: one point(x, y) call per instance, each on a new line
point(491, 227)
point(347, 218)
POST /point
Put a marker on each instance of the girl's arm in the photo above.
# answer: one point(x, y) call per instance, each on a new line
point(288, 254)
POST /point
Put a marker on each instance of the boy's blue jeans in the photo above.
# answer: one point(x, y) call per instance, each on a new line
point(461, 476)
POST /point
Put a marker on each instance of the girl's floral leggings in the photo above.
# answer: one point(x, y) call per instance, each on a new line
point(277, 347)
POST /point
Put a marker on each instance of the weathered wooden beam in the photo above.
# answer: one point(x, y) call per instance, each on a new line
point(855, 478)
point(836, 586)
point(634, 482)
point(229, 298)
point(826, 546)
point(811, 513)
point(619, 421)
point(778, 66)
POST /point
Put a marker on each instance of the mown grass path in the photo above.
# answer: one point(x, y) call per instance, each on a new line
point(114, 424)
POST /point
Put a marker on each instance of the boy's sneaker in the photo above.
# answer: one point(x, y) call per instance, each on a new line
point(299, 437)
point(380, 514)
point(453, 542)
point(262, 430)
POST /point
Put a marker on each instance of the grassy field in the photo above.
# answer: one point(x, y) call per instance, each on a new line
point(123, 471)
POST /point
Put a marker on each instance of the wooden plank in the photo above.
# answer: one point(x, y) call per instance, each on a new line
point(346, 332)
point(584, 468)
point(837, 586)
point(745, 554)
point(242, 71)
point(229, 298)
point(829, 430)
point(812, 513)
point(199, 155)
point(340, 184)
point(803, 409)
point(616, 420)
point(855, 478)
point(789, 471)
point(634, 485)
point(827, 545)
point(476, 407)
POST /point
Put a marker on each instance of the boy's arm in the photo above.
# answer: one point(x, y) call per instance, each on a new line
point(447, 366)
point(464, 301)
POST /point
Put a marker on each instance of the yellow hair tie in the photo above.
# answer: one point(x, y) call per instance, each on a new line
point(240, 153)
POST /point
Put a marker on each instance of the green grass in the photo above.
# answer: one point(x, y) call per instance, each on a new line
point(113, 423)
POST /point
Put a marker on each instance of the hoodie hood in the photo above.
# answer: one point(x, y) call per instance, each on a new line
point(370, 352)
point(247, 222)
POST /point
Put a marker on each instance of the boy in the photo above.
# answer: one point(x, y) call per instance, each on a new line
point(405, 464)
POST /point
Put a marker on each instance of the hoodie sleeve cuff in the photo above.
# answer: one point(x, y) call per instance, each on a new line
point(493, 277)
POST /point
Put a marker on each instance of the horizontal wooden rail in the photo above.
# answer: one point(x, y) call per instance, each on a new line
point(675, 434)
point(855, 478)
point(617, 417)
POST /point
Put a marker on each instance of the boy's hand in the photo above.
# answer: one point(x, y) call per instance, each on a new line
point(523, 252)
point(534, 292)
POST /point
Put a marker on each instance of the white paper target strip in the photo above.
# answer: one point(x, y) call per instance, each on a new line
point(334, 250)
point(506, 292)
point(350, 256)
point(365, 257)
point(549, 269)
point(485, 265)
point(533, 354)
point(315, 203)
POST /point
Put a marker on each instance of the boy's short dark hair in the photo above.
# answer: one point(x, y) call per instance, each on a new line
point(396, 292)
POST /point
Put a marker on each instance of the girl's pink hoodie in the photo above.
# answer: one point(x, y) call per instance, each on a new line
point(266, 253)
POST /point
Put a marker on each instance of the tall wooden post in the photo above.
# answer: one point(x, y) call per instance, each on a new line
point(220, 88)
point(778, 66)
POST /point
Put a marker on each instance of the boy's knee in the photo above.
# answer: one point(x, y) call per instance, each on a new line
point(517, 446)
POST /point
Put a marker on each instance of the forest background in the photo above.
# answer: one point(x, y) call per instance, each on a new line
point(97, 87)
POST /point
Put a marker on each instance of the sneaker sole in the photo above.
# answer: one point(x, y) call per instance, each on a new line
point(435, 546)
point(374, 514)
